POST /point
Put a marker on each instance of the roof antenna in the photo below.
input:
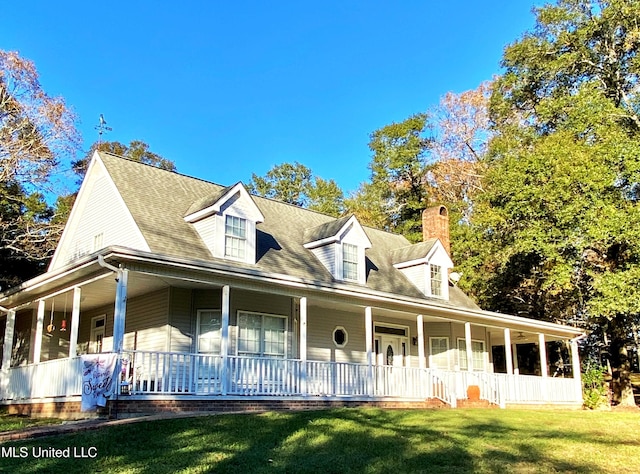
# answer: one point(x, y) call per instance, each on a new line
point(101, 128)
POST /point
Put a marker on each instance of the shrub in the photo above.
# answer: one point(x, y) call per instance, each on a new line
point(595, 392)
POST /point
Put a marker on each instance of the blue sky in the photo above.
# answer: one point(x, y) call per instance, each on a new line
point(226, 89)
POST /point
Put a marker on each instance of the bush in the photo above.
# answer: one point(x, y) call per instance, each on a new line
point(595, 392)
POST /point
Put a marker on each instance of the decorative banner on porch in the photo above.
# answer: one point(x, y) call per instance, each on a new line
point(98, 379)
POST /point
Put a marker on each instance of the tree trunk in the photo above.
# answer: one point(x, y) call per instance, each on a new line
point(622, 391)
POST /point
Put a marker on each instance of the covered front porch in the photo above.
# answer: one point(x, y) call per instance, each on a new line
point(148, 375)
point(185, 334)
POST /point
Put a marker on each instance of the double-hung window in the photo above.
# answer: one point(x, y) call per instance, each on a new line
point(349, 261)
point(436, 280)
point(261, 335)
point(209, 331)
point(439, 350)
point(477, 354)
point(235, 235)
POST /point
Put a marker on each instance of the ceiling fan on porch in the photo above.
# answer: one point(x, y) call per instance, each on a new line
point(520, 336)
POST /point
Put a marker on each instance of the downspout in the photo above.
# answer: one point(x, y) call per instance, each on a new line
point(118, 323)
point(104, 264)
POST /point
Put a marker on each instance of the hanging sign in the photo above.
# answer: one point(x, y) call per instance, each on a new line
point(98, 380)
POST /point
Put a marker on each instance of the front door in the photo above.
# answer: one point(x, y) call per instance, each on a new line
point(392, 350)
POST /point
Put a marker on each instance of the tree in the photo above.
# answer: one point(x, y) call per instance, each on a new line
point(556, 232)
point(398, 192)
point(36, 131)
point(295, 184)
point(458, 149)
point(136, 151)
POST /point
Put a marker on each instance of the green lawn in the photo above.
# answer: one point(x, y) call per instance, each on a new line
point(12, 422)
point(352, 440)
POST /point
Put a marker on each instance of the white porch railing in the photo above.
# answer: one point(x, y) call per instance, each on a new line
point(53, 378)
point(170, 373)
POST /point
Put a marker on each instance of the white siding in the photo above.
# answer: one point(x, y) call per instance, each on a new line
point(99, 217)
point(206, 228)
point(146, 326)
point(212, 229)
point(320, 325)
point(417, 275)
point(327, 256)
point(180, 323)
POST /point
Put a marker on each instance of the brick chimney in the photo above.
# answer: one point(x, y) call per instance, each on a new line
point(435, 224)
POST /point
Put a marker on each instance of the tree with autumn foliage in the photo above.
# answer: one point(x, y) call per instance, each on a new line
point(36, 131)
point(461, 122)
point(555, 234)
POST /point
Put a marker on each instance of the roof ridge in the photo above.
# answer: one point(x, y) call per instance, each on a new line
point(282, 203)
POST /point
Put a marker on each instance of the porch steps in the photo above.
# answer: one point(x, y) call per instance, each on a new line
point(467, 403)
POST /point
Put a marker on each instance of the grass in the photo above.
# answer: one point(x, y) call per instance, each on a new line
point(351, 440)
point(13, 422)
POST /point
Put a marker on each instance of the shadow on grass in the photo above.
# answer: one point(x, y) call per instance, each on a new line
point(340, 441)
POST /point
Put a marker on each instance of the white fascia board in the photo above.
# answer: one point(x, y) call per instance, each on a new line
point(411, 263)
point(216, 206)
point(319, 243)
point(437, 247)
point(202, 213)
point(363, 240)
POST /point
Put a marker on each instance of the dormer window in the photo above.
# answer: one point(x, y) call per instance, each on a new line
point(436, 280)
point(340, 245)
point(350, 262)
point(426, 265)
point(235, 235)
point(226, 222)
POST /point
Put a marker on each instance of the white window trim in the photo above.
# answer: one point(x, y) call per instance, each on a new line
point(346, 336)
point(444, 282)
point(94, 330)
point(286, 331)
point(198, 315)
point(431, 354)
point(461, 359)
point(357, 261)
point(339, 263)
point(245, 240)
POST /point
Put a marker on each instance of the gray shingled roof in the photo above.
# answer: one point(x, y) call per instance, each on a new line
point(323, 231)
point(207, 201)
point(159, 200)
point(412, 252)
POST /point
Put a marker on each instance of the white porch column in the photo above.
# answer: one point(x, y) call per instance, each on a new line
point(469, 346)
point(303, 344)
point(7, 348)
point(120, 311)
point(368, 331)
point(224, 342)
point(543, 355)
point(507, 350)
point(422, 361)
point(75, 322)
point(575, 364)
point(37, 340)
point(516, 367)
